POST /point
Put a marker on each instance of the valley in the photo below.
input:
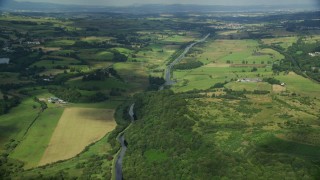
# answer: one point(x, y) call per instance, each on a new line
point(238, 99)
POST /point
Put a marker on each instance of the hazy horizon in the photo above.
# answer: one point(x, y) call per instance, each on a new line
point(167, 2)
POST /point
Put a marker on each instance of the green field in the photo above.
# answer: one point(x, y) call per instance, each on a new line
point(33, 145)
point(133, 73)
point(100, 85)
point(96, 55)
point(85, 161)
point(284, 42)
point(300, 85)
point(94, 39)
point(239, 86)
point(53, 63)
point(14, 125)
point(225, 60)
point(59, 43)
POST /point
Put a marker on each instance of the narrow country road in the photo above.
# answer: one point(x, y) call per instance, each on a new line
point(178, 59)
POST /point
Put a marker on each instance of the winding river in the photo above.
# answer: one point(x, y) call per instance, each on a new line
point(168, 82)
point(123, 144)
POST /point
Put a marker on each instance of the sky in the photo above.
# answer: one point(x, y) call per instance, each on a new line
point(200, 2)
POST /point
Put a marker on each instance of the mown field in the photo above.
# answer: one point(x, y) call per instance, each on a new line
point(77, 128)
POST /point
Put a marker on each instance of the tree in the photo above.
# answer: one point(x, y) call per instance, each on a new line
point(118, 57)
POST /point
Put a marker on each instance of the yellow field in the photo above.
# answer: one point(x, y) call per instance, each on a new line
point(77, 128)
point(277, 88)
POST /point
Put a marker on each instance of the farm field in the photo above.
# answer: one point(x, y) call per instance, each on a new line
point(284, 42)
point(13, 125)
point(234, 51)
point(249, 86)
point(221, 65)
point(84, 162)
point(77, 128)
point(53, 63)
point(133, 73)
point(33, 145)
point(300, 85)
point(100, 85)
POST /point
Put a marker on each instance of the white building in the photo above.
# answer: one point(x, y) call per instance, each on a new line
point(33, 43)
point(314, 54)
point(4, 60)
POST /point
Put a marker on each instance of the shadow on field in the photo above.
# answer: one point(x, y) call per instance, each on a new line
point(276, 145)
point(95, 114)
point(5, 130)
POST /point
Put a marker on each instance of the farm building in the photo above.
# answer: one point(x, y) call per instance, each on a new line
point(56, 100)
point(4, 60)
point(33, 43)
point(314, 54)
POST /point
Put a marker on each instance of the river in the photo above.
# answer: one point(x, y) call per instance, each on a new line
point(168, 82)
point(121, 139)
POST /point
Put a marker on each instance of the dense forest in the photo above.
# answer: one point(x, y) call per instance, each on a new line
point(188, 65)
point(170, 141)
point(298, 59)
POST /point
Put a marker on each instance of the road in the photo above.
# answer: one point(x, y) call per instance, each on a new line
point(178, 59)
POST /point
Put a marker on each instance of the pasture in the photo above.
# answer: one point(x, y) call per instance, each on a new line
point(77, 128)
point(249, 86)
point(300, 85)
point(34, 144)
point(106, 84)
point(95, 39)
point(50, 62)
point(14, 124)
point(226, 60)
point(135, 74)
point(284, 42)
point(233, 52)
point(59, 43)
point(95, 55)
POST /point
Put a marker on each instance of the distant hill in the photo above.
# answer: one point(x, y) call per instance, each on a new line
point(10, 5)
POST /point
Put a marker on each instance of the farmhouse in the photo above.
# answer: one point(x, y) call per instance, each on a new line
point(314, 54)
point(33, 43)
point(4, 60)
point(46, 79)
point(56, 100)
